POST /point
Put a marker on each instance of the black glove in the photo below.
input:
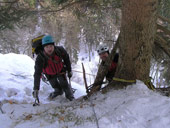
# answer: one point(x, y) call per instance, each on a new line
point(35, 94)
point(69, 74)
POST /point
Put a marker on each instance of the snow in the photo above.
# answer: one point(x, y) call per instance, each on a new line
point(133, 107)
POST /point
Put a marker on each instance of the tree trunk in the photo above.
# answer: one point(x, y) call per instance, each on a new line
point(138, 29)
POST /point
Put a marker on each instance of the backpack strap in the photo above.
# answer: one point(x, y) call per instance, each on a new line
point(58, 51)
point(62, 53)
point(44, 58)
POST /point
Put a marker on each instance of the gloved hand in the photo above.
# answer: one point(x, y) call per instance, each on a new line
point(69, 74)
point(35, 93)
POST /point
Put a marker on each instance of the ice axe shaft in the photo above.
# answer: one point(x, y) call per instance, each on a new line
point(37, 102)
point(70, 86)
point(85, 81)
point(1, 108)
point(2, 111)
point(70, 81)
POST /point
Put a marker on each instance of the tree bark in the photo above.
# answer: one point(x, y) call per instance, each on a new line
point(138, 30)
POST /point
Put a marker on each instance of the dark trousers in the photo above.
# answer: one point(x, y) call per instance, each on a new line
point(60, 84)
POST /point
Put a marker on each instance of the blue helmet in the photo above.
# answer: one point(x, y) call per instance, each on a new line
point(48, 39)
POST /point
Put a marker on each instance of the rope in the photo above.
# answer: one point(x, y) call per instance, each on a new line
point(82, 72)
point(95, 115)
point(123, 80)
point(149, 84)
point(88, 88)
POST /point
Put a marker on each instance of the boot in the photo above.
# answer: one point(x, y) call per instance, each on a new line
point(55, 94)
point(71, 98)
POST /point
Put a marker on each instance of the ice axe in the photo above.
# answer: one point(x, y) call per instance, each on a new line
point(69, 81)
point(73, 89)
point(37, 101)
point(1, 108)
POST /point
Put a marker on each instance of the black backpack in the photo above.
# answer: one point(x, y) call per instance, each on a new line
point(37, 45)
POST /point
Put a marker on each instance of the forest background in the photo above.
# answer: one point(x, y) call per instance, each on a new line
point(74, 23)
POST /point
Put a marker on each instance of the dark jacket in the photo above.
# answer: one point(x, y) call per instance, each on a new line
point(42, 62)
point(112, 68)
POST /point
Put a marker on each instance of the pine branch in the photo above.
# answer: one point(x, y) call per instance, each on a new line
point(62, 8)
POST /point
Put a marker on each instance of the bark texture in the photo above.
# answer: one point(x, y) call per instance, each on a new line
point(138, 29)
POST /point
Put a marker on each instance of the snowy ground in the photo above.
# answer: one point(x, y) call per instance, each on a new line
point(133, 107)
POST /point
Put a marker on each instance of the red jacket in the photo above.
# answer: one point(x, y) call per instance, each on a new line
point(54, 65)
point(112, 68)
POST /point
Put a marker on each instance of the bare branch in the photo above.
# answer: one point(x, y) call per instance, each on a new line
point(8, 2)
point(62, 8)
point(164, 19)
point(166, 31)
point(160, 42)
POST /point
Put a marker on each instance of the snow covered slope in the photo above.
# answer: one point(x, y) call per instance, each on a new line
point(133, 107)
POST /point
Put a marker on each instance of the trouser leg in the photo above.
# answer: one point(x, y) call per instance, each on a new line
point(66, 87)
point(56, 86)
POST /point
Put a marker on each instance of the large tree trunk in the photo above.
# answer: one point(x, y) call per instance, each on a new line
point(138, 29)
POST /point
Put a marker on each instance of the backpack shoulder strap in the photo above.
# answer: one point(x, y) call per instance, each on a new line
point(44, 58)
point(62, 53)
point(59, 51)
